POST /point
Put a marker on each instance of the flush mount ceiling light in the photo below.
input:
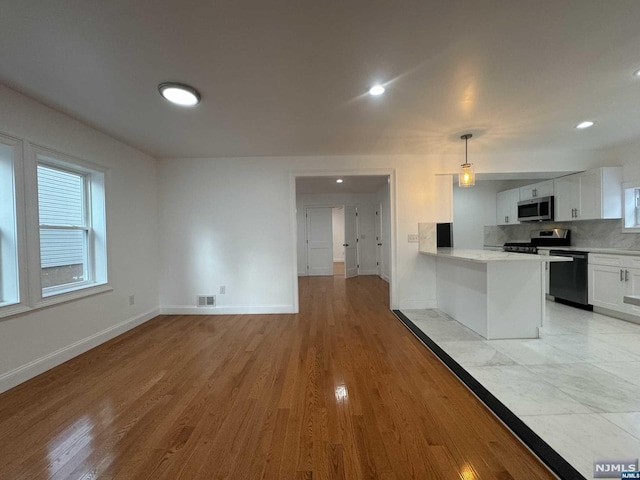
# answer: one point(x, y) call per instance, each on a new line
point(339, 180)
point(636, 74)
point(180, 94)
point(585, 124)
point(376, 90)
point(466, 177)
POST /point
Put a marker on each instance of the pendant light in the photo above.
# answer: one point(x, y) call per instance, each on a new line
point(466, 177)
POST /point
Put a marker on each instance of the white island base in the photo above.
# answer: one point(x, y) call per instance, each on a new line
point(497, 295)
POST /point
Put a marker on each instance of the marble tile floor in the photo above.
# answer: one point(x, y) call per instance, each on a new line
point(577, 386)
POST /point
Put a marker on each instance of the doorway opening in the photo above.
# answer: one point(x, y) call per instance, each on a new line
point(344, 229)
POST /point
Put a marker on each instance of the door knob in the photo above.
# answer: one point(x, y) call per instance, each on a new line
point(345, 244)
point(379, 244)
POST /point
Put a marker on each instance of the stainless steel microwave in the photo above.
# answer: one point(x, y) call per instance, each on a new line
point(535, 210)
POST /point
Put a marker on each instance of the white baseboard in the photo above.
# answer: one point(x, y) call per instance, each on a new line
point(241, 310)
point(385, 278)
point(415, 305)
point(40, 365)
point(368, 272)
point(615, 314)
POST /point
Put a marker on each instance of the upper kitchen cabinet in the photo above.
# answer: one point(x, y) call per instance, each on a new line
point(537, 190)
point(591, 195)
point(507, 207)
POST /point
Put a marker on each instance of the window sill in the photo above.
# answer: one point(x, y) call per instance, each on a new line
point(630, 229)
point(15, 309)
point(20, 309)
point(63, 297)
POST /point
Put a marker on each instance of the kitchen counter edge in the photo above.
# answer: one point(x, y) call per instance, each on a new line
point(487, 256)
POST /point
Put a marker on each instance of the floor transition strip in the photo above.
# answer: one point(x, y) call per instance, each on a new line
point(537, 445)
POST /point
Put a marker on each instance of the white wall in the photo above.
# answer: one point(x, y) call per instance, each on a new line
point(337, 223)
point(474, 207)
point(231, 221)
point(33, 342)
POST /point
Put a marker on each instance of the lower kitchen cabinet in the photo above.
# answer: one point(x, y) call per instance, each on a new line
point(611, 277)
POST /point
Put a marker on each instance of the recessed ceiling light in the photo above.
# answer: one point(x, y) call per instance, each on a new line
point(339, 180)
point(376, 90)
point(585, 124)
point(180, 94)
point(636, 73)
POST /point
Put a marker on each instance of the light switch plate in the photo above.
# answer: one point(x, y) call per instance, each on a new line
point(412, 238)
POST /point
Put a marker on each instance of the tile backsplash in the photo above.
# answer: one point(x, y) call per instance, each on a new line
point(586, 233)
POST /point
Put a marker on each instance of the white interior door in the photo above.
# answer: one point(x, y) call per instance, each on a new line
point(350, 241)
point(319, 241)
point(378, 230)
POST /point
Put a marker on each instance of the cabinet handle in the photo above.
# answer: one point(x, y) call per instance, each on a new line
point(506, 219)
point(535, 192)
point(626, 275)
point(621, 275)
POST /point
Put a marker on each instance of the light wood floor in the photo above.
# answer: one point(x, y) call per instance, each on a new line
point(341, 390)
point(338, 268)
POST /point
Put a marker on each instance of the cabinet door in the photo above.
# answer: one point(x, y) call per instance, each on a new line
point(507, 207)
point(543, 189)
point(590, 206)
point(514, 198)
point(632, 288)
point(527, 192)
point(537, 190)
point(503, 210)
point(606, 288)
point(567, 197)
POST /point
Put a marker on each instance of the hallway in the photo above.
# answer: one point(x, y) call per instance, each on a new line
point(341, 390)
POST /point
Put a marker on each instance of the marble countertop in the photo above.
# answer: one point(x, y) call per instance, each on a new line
point(612, 251)
point(486, 256)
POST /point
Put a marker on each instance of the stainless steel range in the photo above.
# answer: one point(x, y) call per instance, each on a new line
point(555, 237)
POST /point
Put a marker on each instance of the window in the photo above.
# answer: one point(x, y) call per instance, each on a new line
point(10, 279)
point(631, 207)
point(72, 225)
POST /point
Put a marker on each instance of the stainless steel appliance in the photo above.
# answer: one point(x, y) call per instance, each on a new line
point(568, 281)
point(536, 209)
point(553, 237)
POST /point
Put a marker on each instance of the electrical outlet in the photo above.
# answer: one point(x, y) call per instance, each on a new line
point(132, 299)
point(412, 238)
point(223, 290)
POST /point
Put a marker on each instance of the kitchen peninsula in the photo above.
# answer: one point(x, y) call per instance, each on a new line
point(498, 295)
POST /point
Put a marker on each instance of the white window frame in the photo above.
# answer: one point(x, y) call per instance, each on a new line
point(96, 194)
point(631, 207)
point(16, 180)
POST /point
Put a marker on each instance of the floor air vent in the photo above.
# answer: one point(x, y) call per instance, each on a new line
point(206, 300)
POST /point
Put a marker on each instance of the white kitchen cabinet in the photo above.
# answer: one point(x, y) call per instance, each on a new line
point(537, 190)
point(507, 207)
point(594, 194)
point(611, 277)
point(606, 287)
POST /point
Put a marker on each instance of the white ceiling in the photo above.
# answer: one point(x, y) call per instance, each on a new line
point(290, 78)
point(351, 184)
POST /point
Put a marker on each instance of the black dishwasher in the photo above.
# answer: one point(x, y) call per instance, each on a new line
point(569, 280)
